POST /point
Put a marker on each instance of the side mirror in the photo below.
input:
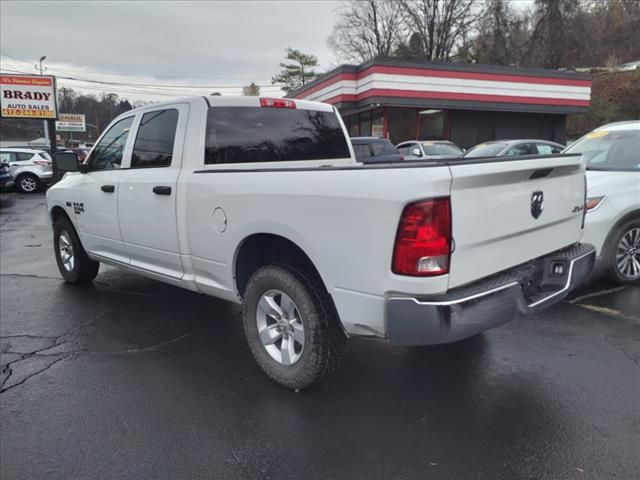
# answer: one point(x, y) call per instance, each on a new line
point(415, 151)
point(64, 162)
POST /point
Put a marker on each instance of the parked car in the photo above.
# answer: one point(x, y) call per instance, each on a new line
point(513, 148)
point(612, 224)
point(31, 169)
point(6, 180)
point(260, 201)
point(375, 150)
point(429, 149)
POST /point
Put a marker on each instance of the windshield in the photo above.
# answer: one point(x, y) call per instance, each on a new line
point(431, 148)
point(609, 150)
point(485, 150)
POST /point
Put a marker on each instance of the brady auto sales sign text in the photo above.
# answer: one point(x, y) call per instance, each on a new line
point(28, 96)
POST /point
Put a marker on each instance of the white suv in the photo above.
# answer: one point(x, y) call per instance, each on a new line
point(613, 191)
point(30, 168)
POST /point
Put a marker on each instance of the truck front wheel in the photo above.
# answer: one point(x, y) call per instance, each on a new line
point(291, 326)
point(74, 264)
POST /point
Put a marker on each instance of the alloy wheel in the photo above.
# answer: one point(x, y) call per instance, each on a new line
point(65, 248)
point(280, 327)
point(628, 254)
point(28, 184)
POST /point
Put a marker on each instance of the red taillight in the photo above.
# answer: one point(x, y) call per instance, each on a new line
point(423, 241)
point(43, 163)
point(277, 103)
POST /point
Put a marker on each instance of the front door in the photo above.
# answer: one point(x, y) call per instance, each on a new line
point(95, 202)
point(148, 192)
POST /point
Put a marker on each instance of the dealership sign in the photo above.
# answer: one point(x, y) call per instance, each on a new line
point(71, 122)
point(28, 96)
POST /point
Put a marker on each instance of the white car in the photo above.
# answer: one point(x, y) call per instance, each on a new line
point(612, 153)
point(31, 169)
point(429, 149)
point(261, 201)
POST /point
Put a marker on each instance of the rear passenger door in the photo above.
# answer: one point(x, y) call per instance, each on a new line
point(148, 191)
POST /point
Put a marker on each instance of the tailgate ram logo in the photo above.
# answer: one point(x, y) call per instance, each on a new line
point(537, 204)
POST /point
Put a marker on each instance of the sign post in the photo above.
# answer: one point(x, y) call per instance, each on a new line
point(30, 96)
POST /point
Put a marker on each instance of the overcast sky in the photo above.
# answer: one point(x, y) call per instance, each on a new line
point(160, 43)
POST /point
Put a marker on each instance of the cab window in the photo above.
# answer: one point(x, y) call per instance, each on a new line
point(547, 149)
point(521, 149)
point(257, 134)
point(405, 149)
point(107, 155)
point(155, 139)
point(23, 157)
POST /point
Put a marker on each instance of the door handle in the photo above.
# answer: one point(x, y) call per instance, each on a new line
point(108, 188)
point(162, 190)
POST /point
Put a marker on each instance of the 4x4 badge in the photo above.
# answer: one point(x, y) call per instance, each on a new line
point(537, 204)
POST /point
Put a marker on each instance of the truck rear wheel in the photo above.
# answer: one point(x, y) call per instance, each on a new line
point(74, 264)
point(291, 326)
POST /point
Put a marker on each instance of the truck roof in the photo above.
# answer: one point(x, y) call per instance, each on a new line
point(236, 101)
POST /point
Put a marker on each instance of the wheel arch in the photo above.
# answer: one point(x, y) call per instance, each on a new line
point(260, 249)
point(632, 215)
point(57, 212)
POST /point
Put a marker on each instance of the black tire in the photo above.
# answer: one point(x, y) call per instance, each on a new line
point(611, 249)
point(83, 268)
point(324, 339)
point(28, 183)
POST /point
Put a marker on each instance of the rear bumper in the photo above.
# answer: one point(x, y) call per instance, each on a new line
point(466, 311)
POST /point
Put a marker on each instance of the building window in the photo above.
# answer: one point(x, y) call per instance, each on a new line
point(365, 124)
point(402, 124)
point(431, 124)
point(377, 123)
point(354, 126)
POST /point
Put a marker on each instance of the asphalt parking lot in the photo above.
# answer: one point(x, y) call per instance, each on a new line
point(131, 378)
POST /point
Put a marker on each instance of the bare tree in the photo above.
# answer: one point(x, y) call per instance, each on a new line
point(367, 29)
point(438, 25)
point(550, 40)
point(493, 42)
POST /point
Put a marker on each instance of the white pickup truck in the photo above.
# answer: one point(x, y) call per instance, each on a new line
point(261, 201)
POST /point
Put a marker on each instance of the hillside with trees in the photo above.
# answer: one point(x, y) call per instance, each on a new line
point(547, 34)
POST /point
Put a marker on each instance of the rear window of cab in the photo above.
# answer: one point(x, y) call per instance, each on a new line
point(259, 134)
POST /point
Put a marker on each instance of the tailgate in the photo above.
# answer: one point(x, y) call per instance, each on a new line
point(494, 208)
